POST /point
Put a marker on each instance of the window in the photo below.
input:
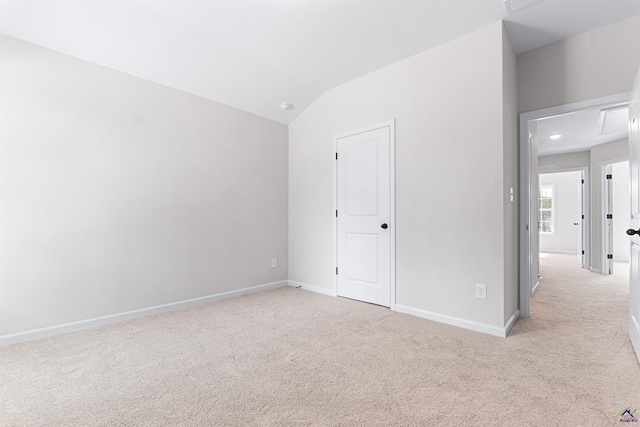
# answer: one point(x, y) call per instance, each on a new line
point(546, 204)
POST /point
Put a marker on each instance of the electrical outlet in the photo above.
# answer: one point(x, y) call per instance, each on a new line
point(274, 262)
point(481, 291)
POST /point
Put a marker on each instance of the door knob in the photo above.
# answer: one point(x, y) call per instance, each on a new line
point(631, 231)
point(384, 226)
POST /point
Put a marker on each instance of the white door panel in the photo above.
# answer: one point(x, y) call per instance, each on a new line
point(360, 164)
point(362, 254)
point(580, 223)
point(634, 171)
point(634, 294)
point(364, 216)
point(607, 218)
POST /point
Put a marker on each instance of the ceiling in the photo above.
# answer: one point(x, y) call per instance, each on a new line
point(582, 130)
point(256, 54)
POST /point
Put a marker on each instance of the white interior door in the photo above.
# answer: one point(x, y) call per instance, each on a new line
point(634, 172)
point(364, 215)
point(580, 222)
point(607, 218)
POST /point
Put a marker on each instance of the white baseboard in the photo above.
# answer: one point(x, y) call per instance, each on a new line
point(316, 289)
point(535, 288)
point(512, 321)
point(462, 323)
point(574, 252)
point(117, 317)
point(480, 327)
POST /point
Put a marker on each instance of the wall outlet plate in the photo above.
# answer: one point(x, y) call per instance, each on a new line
point(274, 262)
point(481, 291)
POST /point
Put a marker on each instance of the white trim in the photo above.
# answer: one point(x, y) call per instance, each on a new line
point(312, 288)
point(535, 288)
point(526, 182)
point(392, 210)
point(335, 220)
point(555, 169)
point(462, 323)
point(511, 322)
point(391, 124)
point(126, 315)
point(525, 214)
point(546, 251)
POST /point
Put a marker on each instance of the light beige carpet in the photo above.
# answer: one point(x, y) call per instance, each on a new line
point(289, 357)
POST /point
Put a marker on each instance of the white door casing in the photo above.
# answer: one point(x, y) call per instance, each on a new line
point(365, 226)
point(634, 260)
point(580, 221)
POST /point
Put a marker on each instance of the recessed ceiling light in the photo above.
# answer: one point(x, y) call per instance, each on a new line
point(555, 136)
point(286, 106)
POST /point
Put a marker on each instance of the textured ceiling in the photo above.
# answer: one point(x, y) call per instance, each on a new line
point(254, 55)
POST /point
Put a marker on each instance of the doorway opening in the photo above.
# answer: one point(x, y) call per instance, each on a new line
point(562, 212)
point(544, 148)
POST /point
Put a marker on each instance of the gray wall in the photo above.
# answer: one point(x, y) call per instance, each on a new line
point(557, 162)
point(120, 194)
point(590, 65)
point(455, 158)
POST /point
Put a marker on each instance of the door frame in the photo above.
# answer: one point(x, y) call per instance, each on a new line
point(586, 219)
point(527, 170)
point(391, 124)
point(606, 205)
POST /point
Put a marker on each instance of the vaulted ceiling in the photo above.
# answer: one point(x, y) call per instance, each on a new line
point(256, 54)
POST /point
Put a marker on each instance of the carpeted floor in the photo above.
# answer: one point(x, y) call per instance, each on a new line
point(289, 357)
